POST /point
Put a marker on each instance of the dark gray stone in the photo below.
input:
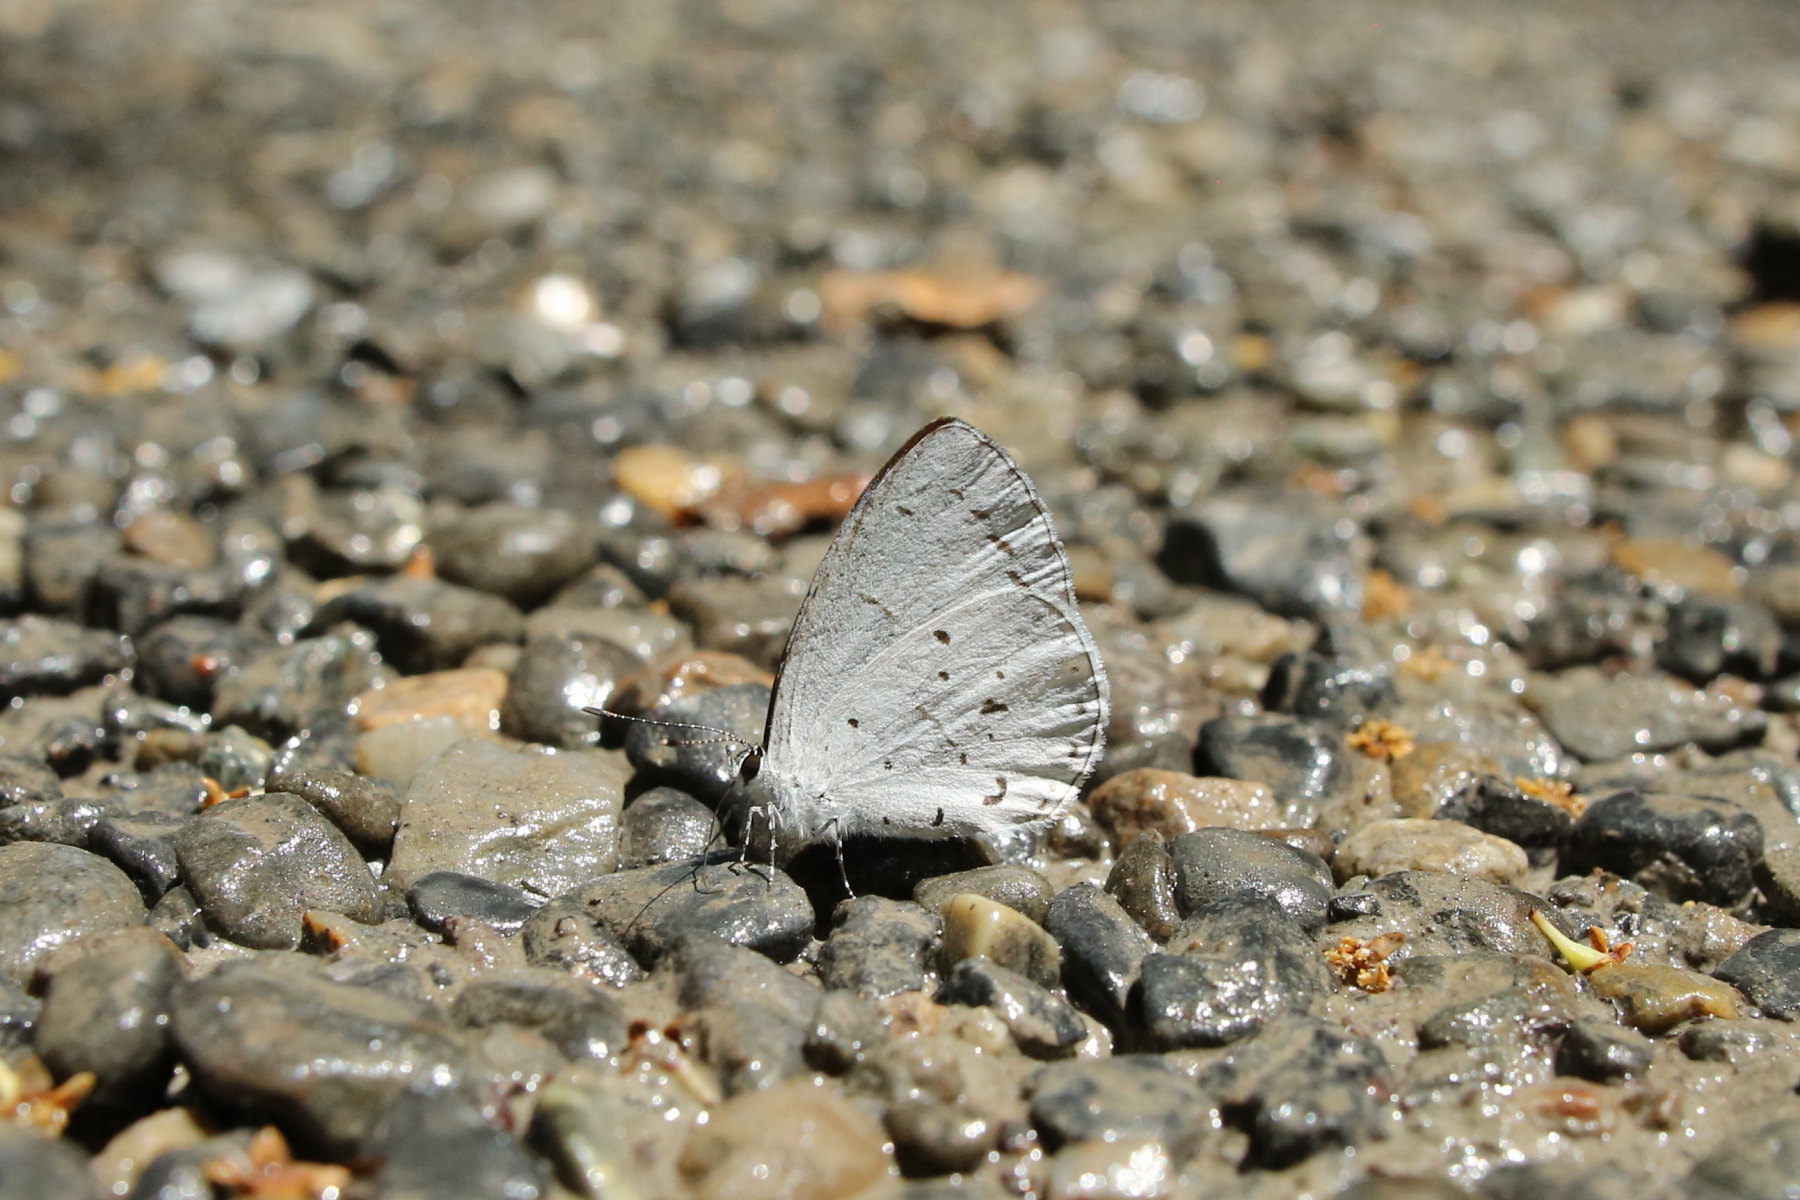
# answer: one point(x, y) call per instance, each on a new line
point(52, 894)
point(1681, 847)
point(1602, 1051)
point(68, 820)
point(1227, 974)
point(1129, 1096)
point(563, 935)
point(1497, 806)
point(106, 1010)
point(183, 659)
point(664, 825)
point(1599, 716)
point(44, 656)
point(1339, 691)
point(282, 690)
point(1290, 557)
point(445, 896)
point(1298, 1087)
point(433, 1146)
point(26, 779)
point(1219, 868)
point(703, 765)
point(1142, 880)
point(1303, 762)
point(1443, 914)
point(34, 1167)
point(1102, 947)
point(1707, 638)
point(580, 1020)
point(1759, 1164)
point(652, 908)
point(143, 847)
point(1767, 970)
point(257, 864)
point(523, 554)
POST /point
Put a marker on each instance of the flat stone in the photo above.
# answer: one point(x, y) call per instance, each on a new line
point(1042, 1023)
point(365, 809)
point(1602, 716)
point(548, 821)
point(1221, 868)
point(1681, 847)
point(1410, 844)
point(1654, 999)
point(441, 897)
point(650, 909)
point(52, 894)
point(792, 1140)
point(1173, 803)
point(878, 947)
point(424, 624)
point(663, 825)
point(1102, 948)
point(1129, 1096)
point(1767, 972)
point(1302, 762)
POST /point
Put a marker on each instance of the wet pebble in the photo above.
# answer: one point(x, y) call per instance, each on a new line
point(436, 1146)
point(664, 825)
point(796, 1140)
point(1301, 762)
point(1298, 1087)
point(1142, 880)
point(1767, 971)
point(1505, 810)
point(1757, 1164)
point(257, 864)
point(650, 909)
point(143, 847)
point(1102, 949)
point(523, 554)
point(546, 820)
point(1043, 1024)
point(47, 656)
point(366, 810)
point(1221, 868)
point(564, 935)
point(33, 1166)
point(1655, 999)
point(424, 624)
point(975, 925)
point(1130, 1096)
point(441, 897)
point(282, 690)
point(579, 1020)
point(1228, 973)
point(1707, 638)
point(1682, 847)
point(557, 677)
point(703, 767)
point(1015, 886)
point(106, 1010)
point(52, 894)
point(326, 1059)
point(1173, 803)
point(1441, 914)
point(1601, 716)
point(1411, 844)
point(1292, 559)
point(878, 947)
point(1602, 1052)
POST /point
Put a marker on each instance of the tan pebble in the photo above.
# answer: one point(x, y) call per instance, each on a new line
point(666, 480)
point(470, 696)
point(1655, 999)
point(1675, 563)
point(1590, 442)
point(1412, 844)
point(966, 298)
point(976, 925)
point(1771, 329)
point(1173, 803)
point(395, 752)
point(792, 1140)
point(772, 507)
point(691, 673)
point(170, 538)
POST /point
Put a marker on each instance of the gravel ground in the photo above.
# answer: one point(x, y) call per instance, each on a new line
point(1416, 389)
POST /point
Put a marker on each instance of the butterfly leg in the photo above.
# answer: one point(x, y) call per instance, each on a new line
point(837, 848)
point(743, 862)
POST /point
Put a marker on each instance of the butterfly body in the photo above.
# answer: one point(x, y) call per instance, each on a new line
point(939, 680)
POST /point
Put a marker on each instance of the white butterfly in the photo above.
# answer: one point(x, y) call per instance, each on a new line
point(938, 679)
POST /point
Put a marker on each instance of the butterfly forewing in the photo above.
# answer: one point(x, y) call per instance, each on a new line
point(939, 664)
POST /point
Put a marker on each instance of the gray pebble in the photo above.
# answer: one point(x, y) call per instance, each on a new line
point(445, 896)
point(34, 1167)
point(52, 894)
point(1298, 1087)
point(182, 659)
point(1497, 806)
point(1681, 847)
point(257, 864)
point(1142, 880)
point(1601, 716)
point(1130, 1096)
point(1229, 973)
point(748, 617)
point(1302, 762)
point(557, 677)
point(23, 779)
point(1602, 1051)
point(283, 690)
point(1042, 1023)
point(1447, 915)
point(1757, 1164)
point(365, 809)
point(134, 595)
point(438, 1145)
point(235, 758)
point(650, 909)
point(68, 820)
point(562, 934)
point(1767, 971)
point(523, 554)
point(424, 624)
point(1289, 557)
point(1343, 691)
point(663, 825)
point(61, 558)
point(46, 656)
point(1220, 868)
point(106, 1010)
point(1103, 949)
point(1707, 638)
point(326, 1059)
point(548, 821)
point(878, 947)
point(579, 1020)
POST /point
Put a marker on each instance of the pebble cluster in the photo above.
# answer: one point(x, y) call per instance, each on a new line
point(1417, 393)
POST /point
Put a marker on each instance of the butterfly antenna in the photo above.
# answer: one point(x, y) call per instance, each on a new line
point(723, 735)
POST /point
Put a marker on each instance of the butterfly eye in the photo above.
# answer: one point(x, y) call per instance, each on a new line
point(751, 765)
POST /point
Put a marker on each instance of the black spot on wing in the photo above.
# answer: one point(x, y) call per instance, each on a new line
point(980, 514)
point(1000, 543)
point(942, 635)
point(903, 510)
point(944, 675)
point(997, 797)
point(1018, 580)
point(938, 820)
point(990, 706)
point(855, 724)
